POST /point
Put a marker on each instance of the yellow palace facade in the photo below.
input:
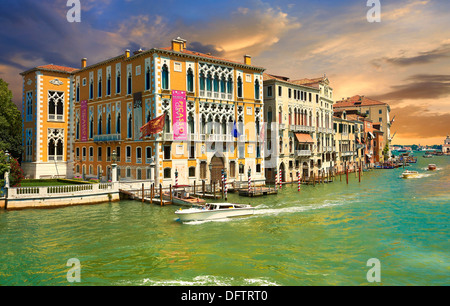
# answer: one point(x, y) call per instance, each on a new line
point(80, 120)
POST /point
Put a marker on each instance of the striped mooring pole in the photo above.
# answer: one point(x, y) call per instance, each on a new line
point(249, 181)
point(176, 178)
point(225, 185)
point(281, 180)
point(298, 178)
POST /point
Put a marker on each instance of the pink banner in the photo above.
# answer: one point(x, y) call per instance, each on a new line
point(179, 115)
point(83, 121)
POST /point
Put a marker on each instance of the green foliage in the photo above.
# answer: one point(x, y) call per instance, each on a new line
point(10, 123)
point(16, 173)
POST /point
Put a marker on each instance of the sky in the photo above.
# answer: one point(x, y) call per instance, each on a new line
point(403, 60)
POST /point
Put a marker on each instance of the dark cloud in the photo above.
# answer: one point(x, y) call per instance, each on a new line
point(423, 86)
point(199, 47)
point(425, 57)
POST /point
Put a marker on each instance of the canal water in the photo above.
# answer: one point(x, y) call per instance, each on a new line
point(323, 235)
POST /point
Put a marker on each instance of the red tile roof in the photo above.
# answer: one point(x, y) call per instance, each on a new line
point(58, 68)
point(357, 101)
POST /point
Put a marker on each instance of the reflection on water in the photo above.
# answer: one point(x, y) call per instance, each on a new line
point(323, 235)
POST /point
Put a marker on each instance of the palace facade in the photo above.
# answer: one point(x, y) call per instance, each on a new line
point(77, 121)
point(300, 136)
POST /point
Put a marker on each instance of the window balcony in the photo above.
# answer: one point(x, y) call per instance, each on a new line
point(107, 138)
point(303, 153)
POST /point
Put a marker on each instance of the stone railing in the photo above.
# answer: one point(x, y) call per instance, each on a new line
point(59, 191)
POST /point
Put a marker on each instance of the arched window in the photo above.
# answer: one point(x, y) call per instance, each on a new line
point(190, 80)
point(165, 77)
point(51, 106)
point(91, 89)
point(167, 123)
point(118, 82)
point(51, 149)
point(108, 124)
point(100, 123)
point(147, 78)
point(108, 85)
point(129, 84)
point(239, 87)
point(191, 128)
point(118, 131)
point(223, 83)
point(230, 85)
point(100, 87)
point(202, 81)
point(91, 127)
point(257, 90)
point(78, 129)
point(216, 83)
point(130, 127)
point(209, 82)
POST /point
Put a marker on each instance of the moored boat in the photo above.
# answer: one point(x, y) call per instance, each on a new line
point(428, 155)
point(410, 174)
point(431, 167)
point(212, 211)
point(184, 199)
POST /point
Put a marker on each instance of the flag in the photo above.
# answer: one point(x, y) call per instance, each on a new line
point(154, 126)
point(236, 133)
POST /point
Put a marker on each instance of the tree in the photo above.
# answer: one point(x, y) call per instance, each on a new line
point(16, 173)
point(386, 152)
point(10, 123)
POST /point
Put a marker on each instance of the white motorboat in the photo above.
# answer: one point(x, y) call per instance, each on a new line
point(212, 211)
point(410, 174)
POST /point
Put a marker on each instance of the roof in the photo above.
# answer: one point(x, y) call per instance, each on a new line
point(53, 68)
point(268, 77)
point(209, 56)
point(357, 101)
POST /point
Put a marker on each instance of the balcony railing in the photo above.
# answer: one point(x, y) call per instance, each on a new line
point(55, 157)
point(107, 138)
point(303, 153)
point(301, 128)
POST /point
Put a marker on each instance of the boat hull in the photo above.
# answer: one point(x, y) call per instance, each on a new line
point(202, 215)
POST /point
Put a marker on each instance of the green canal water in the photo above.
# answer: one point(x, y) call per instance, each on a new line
point(323, 235)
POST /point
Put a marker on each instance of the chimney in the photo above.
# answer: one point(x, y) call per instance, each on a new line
point(247, 60)
point(83, 63)
point(178, 44)
point(127, 53)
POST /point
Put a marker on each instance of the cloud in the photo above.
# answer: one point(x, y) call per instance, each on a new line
point(423, 86)
point(425, 57)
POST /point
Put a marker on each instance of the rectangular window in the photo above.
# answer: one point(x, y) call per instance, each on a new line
point(192, 172)
point(280, 91)
point(99, 154)
point(192, 152)
point(167, 152)
point(269, 91)
point(118, 154)
point(148, 155)
point(128, 154)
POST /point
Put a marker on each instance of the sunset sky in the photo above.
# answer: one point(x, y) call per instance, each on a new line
point(404, 60)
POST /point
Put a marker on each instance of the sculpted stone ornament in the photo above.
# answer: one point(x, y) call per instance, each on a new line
point(56, 82)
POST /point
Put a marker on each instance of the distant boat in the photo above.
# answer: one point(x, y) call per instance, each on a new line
point(212, 211)
point(410, 174)
point(431, 167)
point(427, 155)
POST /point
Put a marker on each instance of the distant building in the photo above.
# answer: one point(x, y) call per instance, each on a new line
point(376, 111)
point(446, 146)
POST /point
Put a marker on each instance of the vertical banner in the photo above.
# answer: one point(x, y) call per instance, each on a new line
point(83, 121)
point(179, 115)
point(137, 107)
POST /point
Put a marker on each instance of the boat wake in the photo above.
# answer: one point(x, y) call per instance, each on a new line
point(210, 280)
point(262, 210)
